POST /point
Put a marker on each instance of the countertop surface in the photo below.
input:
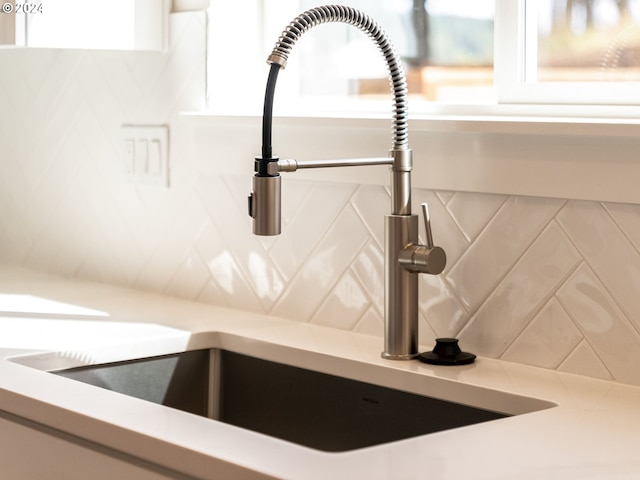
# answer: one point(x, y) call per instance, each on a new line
point(593, 432)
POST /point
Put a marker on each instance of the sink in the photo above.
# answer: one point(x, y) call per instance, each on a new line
point(312, 408)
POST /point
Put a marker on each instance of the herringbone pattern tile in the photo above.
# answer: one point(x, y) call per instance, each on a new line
point(539, 281)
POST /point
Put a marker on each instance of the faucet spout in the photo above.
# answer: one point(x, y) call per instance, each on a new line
point(343, 14)
point(404, 257)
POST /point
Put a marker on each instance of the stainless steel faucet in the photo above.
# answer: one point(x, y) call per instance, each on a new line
point(405, 258)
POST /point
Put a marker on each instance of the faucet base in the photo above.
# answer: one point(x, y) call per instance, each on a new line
point(401, 290)
point(389, 356)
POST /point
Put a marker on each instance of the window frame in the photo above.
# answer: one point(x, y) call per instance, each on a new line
point(515, 65)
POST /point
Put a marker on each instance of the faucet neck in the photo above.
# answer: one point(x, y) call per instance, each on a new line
point(401, 181)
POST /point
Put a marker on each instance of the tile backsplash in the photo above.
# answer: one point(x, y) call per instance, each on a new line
point(544, 282)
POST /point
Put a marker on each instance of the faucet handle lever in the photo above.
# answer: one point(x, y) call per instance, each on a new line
point(423, 258)
point(427, 225)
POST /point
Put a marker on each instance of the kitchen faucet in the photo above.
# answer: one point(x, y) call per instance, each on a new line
point(405, 258)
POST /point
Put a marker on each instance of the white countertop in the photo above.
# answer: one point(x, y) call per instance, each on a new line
point(592, 433)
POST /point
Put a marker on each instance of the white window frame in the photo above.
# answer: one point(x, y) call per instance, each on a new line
point(515, 66)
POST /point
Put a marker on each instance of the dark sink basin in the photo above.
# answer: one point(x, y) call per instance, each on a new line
point(314, 409)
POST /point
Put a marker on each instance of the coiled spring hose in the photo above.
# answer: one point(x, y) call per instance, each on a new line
point(342, 14)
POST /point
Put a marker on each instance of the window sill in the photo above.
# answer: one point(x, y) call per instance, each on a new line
point(563, 155)
point(505, 119)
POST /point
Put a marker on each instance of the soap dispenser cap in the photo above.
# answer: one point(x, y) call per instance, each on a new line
point(447, 352)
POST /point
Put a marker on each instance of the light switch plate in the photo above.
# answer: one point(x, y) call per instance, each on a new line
point(145, 154)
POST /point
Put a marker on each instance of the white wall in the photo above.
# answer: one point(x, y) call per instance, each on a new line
point(541, 281)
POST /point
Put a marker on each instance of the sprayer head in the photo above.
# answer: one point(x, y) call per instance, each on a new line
point(264, 204)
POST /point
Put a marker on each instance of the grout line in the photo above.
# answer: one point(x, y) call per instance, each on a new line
point(354, 205)
point(480, 233)
point(337, 278)
point(445, 280)
point(299, 212)
point(593, 270)
point(628, 237)
point(300, 267)
point(584, 338)
point(543, 303)
point(370, 296)
point(526, 247)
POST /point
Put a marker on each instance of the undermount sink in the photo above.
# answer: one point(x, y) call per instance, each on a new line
point(310, 408)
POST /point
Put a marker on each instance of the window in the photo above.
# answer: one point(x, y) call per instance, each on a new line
point(485, 52)
point(447, 48)
point(568, 51)
point(107, 24)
